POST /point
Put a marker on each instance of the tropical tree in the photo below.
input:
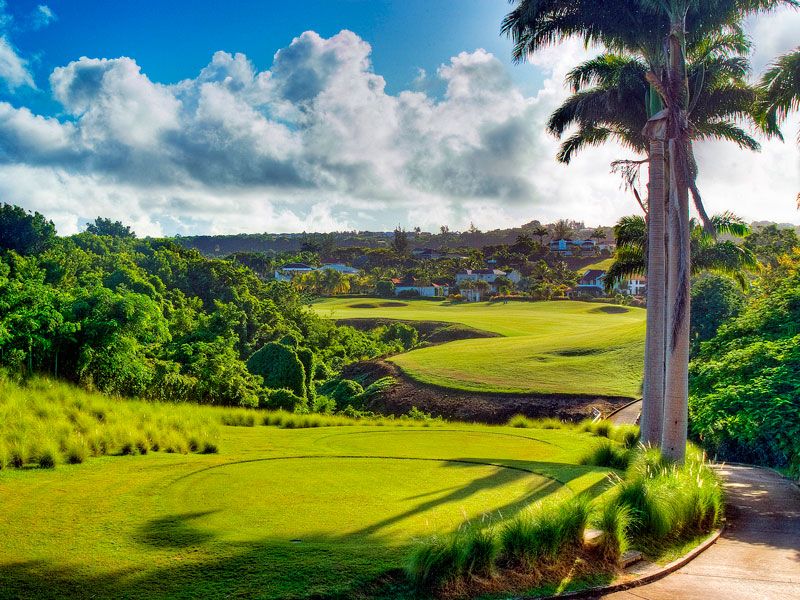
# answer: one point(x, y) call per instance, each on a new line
point(708, 252)
point(541, 232)
point(660, 31)
point(780, 87)
point(562, 230)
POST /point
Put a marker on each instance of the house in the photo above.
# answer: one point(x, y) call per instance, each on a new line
point(410, 286)
point(636, 286)
point(290, 270)
point(573, 247)
point(490, 276)
point(426, 254)
point(591, 283)
point(340, 267)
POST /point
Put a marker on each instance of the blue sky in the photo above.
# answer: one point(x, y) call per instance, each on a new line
point(244, 116)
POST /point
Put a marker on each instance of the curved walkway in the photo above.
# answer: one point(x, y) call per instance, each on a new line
point(758, 555)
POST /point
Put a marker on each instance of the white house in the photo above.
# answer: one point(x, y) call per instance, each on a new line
point(340, 267)
point(636, 286)
point(410, 285)
point(289, 270)
point(487, 275)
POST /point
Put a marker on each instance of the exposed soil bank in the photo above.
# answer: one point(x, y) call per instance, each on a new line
point(469, 406)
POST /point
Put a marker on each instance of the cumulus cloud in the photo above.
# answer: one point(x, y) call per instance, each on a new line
point(313, 143)
point(13, 68)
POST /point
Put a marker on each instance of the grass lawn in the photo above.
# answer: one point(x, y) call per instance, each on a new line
point(278, 513)
point(603, 265)
point(548, 347)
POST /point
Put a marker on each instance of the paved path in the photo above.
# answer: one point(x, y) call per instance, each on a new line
point(758, 555)
point(629, 414)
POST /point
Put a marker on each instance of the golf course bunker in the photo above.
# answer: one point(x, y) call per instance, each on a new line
point(346, 497)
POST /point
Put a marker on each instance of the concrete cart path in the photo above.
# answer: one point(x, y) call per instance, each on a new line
point(627, 415)
point(758, 555)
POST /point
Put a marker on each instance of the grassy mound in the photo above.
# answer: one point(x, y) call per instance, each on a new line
point(569, 348)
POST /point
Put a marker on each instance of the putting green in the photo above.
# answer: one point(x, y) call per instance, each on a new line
point(567, 348)
point(277, 514)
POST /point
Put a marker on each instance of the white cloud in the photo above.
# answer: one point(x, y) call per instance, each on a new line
point(42, 16)
point(13, 68)
point(316, 143)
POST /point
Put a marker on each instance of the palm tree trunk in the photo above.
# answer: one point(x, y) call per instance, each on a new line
point(676, 385)
point(655, 341)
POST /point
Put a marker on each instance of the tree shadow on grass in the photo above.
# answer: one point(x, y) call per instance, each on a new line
point(174, 531)
point(188, 561)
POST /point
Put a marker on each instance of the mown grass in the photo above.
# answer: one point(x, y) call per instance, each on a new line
point(44, 423)
point(280, 512)
point(546, 347)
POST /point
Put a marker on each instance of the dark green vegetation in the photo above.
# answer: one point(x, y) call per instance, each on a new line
point(310, 506)
point(151, 319)
point(745, 384)
point(655, 506)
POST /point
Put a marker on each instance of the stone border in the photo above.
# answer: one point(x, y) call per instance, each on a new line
point(644, 580)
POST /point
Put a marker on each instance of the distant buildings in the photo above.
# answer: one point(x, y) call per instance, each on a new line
point(290, 270)
point(467, 282)
point(410, 286)
point(592, 283)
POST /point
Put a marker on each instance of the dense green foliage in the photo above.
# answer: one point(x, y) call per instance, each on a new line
point(715, 300)
point(23, 231)
point(149, 318)
point(745, 382)
point(279, 367)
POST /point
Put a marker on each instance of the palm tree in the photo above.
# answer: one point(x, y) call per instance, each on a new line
point(562, 230)
point(658, 31)
point(708, 253)
point(780, 87)
point(541, 232)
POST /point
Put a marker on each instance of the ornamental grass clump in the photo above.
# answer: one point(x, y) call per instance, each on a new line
point(607, 454)
point(614, 521)
point(45, 423)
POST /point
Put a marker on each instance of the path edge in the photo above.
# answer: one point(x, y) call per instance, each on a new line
point(627, 585)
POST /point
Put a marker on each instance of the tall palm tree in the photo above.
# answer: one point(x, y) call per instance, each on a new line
point(659, 31)
point(610, 100)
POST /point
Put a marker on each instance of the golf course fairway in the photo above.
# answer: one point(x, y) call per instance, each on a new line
point(549, 348)
point(278, 513)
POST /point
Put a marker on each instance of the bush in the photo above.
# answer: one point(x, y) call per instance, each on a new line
point(76, 452)
point(607, 454)
point(287, 400)
point(238, 419)
point(280, 368)
point(347, 393)
point(405, 334)
point(324, 405)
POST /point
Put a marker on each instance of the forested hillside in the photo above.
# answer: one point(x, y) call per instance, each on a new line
point(153, 319)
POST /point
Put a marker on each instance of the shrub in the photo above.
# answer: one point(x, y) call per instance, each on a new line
point(17, 456)
point(523, 422)
point(347, 393)
point(280, 368)
point(405, 334)
point(627, 435)
point(323, 405)
point(607, 454)
point(287, 400)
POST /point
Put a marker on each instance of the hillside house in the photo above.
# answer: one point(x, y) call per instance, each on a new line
point(290, 270)
point(487, 275)
point(591, 283)
point(574, 247)
point(426, 254)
